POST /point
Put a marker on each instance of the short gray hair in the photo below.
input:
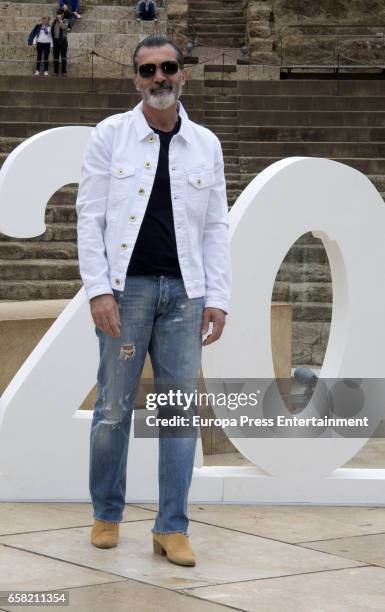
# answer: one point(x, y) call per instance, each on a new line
point(157, 40)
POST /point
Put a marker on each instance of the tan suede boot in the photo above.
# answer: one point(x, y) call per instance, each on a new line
point(105, 534)
point(176, 546)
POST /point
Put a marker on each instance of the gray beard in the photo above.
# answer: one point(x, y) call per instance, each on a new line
point(162, 102)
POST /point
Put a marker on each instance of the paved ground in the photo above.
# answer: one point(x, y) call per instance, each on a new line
point(299, 559)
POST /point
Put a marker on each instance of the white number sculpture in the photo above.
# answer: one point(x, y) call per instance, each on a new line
point(44, 437)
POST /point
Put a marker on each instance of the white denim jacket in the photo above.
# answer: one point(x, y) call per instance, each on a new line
point(118, 172)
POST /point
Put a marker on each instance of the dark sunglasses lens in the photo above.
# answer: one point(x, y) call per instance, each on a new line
point(147, 70)
point(170, 67)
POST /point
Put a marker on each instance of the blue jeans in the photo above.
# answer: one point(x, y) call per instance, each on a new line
point(156, 316)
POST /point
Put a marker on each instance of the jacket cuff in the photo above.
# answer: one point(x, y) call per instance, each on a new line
point(217, 303)
point(96, 290)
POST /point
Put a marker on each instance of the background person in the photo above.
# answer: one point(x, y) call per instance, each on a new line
point(60, 42)
point(41, 36)
point(69, 16)
point(146, 10)
point(73, 5)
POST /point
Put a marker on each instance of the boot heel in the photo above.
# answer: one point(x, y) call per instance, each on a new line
point(158, 548)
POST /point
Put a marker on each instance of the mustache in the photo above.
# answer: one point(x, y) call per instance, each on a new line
point(165, 85)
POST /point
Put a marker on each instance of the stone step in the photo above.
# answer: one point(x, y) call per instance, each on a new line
point(378, 181)
point(313, 149)
point(124, 12)
point(311, 102)
point(309, 342)
point(208, 28)
point(305, 254)
point(220, 121)
point(220, 85)
point(39, 289)
point(126, 25)
point(80, 85)
point(293, 292)
point(312, 311)
point(218, 39)
point(109, 102)
point(58, 115)
point(222, 99)
point(38, 269)
point(211, 10)
point(25, 130)
point(219, 128)
point(55, 232)
point(226, 18)
point(8, 144)
point(268, 58)
point(365, 165)
point(103, 11)
point(61, 213)
point(12, 249)
point(312, 118)
point(78, 42)
point(310, 87)
point(354, 134)
point(231, 167)
point(222, 109)
point(304, 273)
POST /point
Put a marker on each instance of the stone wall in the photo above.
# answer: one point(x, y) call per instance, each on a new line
point(260, 31)
point(320, 32)
point(177, 15)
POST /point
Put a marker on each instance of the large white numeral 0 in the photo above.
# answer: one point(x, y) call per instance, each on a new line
point(341, 206)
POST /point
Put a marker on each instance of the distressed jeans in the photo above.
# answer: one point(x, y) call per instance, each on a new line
point(156, 316)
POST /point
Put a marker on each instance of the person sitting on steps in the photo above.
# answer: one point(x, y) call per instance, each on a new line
point(69, 16)
point(73, 5)
point(146, 10)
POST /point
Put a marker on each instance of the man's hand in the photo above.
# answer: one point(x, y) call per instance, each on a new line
point(218, 319)
point(105, 313)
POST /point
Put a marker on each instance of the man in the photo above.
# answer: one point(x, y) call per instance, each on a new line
point(60, 43)
point(154, 258)
point(146, 10)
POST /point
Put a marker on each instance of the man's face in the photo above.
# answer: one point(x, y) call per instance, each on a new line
point(159, 91)
point(65, 7)
point(45, 21)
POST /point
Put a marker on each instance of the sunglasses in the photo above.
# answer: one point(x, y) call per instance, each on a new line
point(168, 68)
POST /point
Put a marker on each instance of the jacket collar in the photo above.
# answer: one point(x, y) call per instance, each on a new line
point(143, 129)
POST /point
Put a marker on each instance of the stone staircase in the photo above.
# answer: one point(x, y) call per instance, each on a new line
point(319, 32)
point(112, 31)
point(257, 122)
point(217, 23)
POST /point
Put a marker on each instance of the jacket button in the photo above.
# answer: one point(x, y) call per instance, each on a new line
point(124, 246)
point(199, 181)
point(147, 164)
point(141, 191)
point(119, 171)
point(117, 281)
point(132, 218)
point(151, 139)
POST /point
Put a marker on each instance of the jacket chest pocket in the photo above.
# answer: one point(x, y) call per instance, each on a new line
point(198, 190)
point(122, 178)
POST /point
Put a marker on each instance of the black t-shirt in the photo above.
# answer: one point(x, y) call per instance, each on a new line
point(155, 249)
